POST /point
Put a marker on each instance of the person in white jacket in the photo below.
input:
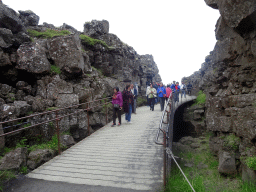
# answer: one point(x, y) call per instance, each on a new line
point(151, 93)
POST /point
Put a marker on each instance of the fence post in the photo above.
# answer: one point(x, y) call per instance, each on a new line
point(58, 131)
point(164, 159)
point(88, 119)
point(106, 111)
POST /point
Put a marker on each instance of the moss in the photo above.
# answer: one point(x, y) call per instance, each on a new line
point(201, 98)
point(49, 33)
point(232, 142)
point(55, 69)
point(91, 42)
point(51, 108)
point(99, 70)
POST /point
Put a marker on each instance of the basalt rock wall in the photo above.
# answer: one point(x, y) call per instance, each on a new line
point(40, 72)
point(228, 78)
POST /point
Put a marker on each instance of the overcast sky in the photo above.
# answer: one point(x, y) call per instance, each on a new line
point(179, 34)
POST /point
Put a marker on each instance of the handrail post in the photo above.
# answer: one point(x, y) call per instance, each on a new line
point(58, 131)
point(164, 159)
point(88, 119)
point(106, 111)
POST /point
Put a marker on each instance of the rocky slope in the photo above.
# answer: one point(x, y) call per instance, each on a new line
point(43, 66)
point(228, 79)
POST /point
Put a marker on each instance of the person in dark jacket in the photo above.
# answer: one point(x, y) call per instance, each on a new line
point(135, 94)
point(128, 103)
point(117, 101)
point(189, 88)
point(161, 94)
point(176, 92)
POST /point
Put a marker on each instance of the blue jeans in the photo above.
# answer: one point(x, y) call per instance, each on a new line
point(162, 101)
point(176, 96)
point(183, 92)
point(129, 114)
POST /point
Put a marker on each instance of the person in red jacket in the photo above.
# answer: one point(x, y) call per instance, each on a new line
point(168, 92)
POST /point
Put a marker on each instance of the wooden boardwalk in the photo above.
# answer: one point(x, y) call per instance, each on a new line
point(123, 157)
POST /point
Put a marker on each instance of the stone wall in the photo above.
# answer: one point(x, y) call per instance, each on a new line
point(39, 73)
point(228, 79)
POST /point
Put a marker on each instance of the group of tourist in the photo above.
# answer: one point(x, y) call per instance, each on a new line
point(156, 92)
point(126, 100)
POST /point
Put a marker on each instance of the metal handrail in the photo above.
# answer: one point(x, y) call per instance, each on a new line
point(57, 118)
point(161, 121)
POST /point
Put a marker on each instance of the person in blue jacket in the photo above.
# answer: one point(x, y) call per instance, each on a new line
point(161, 92)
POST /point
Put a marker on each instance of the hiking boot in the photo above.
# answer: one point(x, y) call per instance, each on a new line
point(113, 125)
point(119, 124)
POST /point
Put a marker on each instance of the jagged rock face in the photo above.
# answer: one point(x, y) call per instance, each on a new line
point(29, 18)
point(9, 19)
point(96, 28)
point(6, 38)
point(66, 53)
point(32, 58)
point(228, 78)
point(212, 3)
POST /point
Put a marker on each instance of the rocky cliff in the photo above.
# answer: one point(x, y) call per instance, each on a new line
point(228, 79)
point(43, 66)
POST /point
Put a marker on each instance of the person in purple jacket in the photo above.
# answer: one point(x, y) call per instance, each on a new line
point(117, 101)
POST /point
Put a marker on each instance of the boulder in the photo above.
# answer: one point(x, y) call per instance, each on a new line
point(9, 19)
point(20, 95)
point(65, 100)
point(227, 162)
point(233, 11)
point(96, 28)
point(29, 18)
point(14, 159)
point(32, 58)
point(187, 140)
point(215, 144)
point(21, 84)
point(6, 38)
point(6, 89)
point(222, 30)
point(66, 53)
point(67, 140)
point(7, 110)
point(198, 114)
point(39, 157)
point(69, 28)
point(22, 107)
point(219, 123)
point(248, 175)
point(212, 3)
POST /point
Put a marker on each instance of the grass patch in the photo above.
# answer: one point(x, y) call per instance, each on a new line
point(201, 98)
point(23, 170)
point(251, 163)
point(141, 101)
point(55, 69)
point(91, 42)
point(49, 33)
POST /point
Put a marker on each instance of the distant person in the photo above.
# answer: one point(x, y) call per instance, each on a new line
point(189, 88)
point(156, 87)
point(128, 103)
point(183, 89)
point(151, 93)
point(117, 101)
point(135, 94)
point(168, 92)
point(176, 92)
point(161, 94)
point(173, 86)
point(147, 95)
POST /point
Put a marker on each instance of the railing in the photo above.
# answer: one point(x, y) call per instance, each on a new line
point(168, 137)
point(79, 108)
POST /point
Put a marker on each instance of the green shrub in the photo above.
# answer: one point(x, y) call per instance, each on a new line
point(49, 33)
point(201, 98)
point(106, 106)
point(5, 176)
point(251, 162)
point(23, 170)
point(55, 69)
point(91, 42)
